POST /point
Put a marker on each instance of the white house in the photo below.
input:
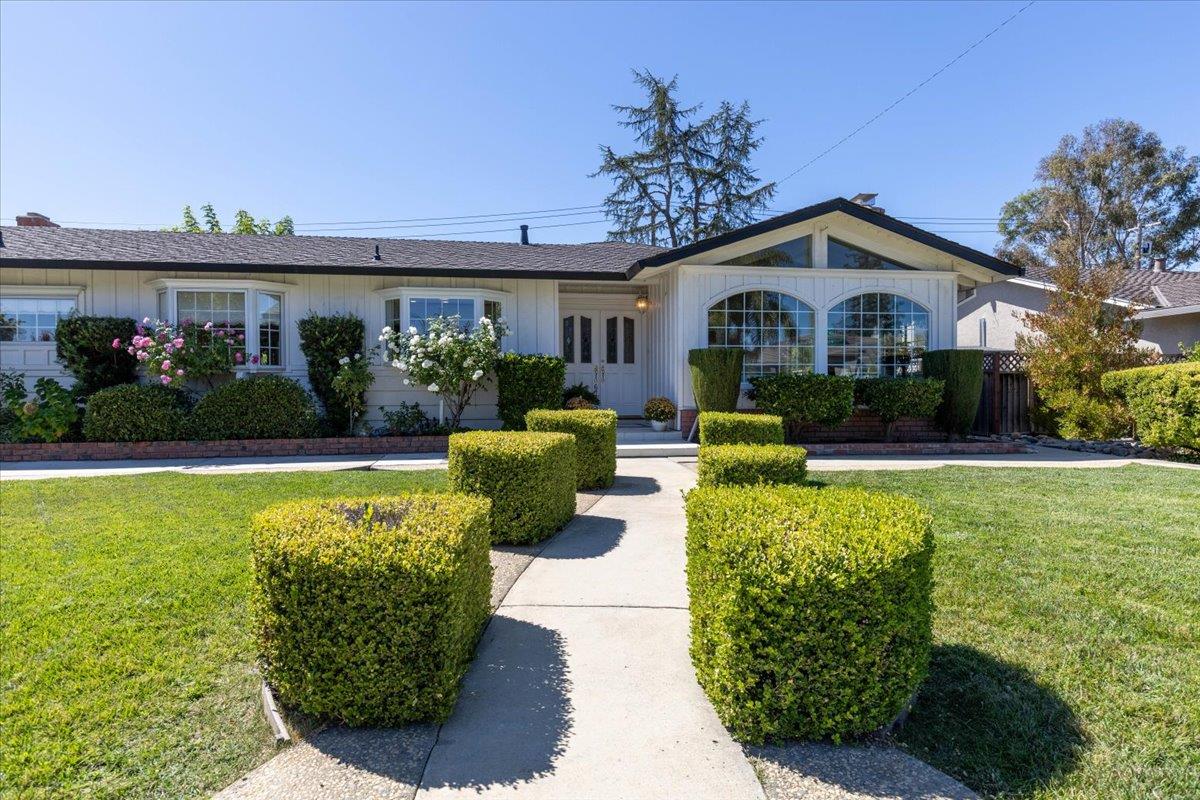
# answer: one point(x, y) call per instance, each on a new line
point(1167, 302)
point(836, 287)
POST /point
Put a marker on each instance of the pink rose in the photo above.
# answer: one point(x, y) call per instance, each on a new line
point(166, 379)
point(241, 337)
point(116, 344)
point(166, 366)
point(179, 372)
point(238, 357)
point(168, 349)
point(131, 350)
point(142, 355)
point(254, 359)
point(178, 343)
point(208, 326)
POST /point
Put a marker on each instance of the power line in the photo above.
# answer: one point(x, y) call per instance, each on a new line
point(457, 216)
point(495, 230)
point(450, 224)
point(903, 97)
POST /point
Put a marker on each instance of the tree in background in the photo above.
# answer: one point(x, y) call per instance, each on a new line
point(244, 223)
point(1095, 191)
point(690, 178)
point(1077, 339)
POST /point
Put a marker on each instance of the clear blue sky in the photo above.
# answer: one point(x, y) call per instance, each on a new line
point(123, 113)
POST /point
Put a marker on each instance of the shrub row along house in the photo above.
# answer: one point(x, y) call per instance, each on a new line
point(838, 287)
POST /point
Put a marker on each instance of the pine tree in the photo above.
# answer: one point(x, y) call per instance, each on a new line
point(690, 178)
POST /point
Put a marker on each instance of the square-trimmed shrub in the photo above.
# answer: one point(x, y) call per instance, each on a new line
point(256, 407)
point(737, 464)
point(595, 432)
point(525, 382)
point(725, 427)
point(529, 476)
point(135, 413)
point(810, 607)
point(367, 610)
point(1164, 401)
point(805, 398)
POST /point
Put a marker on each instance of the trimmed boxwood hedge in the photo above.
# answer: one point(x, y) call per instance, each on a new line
point(257, 407)
point(529, 477)
point(595, 433)
point(962, 371)
point(735, 464)
point(525, 382)
point(718, 427)
point(367, 610)
point(810, 607)
point(805, 397)
point(1164, 401)
point(135, 413)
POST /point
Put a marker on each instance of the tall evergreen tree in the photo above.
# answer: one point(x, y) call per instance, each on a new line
point(690, 177)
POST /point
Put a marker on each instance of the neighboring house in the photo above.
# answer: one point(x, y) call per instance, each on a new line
point(1168, 304)
point(836, 287)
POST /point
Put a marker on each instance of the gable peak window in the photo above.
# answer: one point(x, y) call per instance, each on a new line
point(843, 255)
point(794, 253)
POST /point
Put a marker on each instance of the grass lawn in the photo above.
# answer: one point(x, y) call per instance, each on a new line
point(1067, 630)
point(125, 646)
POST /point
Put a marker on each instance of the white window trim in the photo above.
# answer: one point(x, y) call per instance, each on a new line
point(42, 292)
point(172, 286)
point(405, 293)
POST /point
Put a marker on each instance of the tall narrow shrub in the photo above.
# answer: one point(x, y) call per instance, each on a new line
point(324, 340)
point(84, 346)
point(962, 372)
point(716, 377)
point(525, 382)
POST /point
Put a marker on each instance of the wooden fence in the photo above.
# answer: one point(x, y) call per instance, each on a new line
point(1007, 395)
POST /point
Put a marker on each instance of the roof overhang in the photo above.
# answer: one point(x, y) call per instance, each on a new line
point(1169, 311)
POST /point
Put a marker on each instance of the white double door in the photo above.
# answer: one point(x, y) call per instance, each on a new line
point(602, 345)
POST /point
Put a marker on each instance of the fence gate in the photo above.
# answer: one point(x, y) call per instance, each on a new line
point(1007, 395)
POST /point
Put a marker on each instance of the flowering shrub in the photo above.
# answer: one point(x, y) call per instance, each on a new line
point(450, 359)
point(172, 355)
point(48, 416)
point(659, 409)
point(350, 384)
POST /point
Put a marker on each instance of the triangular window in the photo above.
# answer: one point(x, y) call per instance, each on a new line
point(796, 253)
point(847, 256)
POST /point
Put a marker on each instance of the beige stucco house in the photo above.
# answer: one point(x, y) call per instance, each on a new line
point(835, 287)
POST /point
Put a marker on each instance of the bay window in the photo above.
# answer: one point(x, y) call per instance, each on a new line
point(253, 309)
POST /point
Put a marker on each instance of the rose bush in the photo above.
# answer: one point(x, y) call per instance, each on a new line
point(350, 385)
point(450, 360)
point(172, 355)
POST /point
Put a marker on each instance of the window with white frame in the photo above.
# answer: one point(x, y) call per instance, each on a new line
point(776, 330)
point(32, 318)
point(254, 310)
point(415, 308)
point(876, 334)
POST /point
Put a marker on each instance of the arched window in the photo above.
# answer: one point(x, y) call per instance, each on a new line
point(777, 331)
point(876, 335)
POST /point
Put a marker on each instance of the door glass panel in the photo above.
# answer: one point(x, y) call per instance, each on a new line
point(610, 340)
point(585, 340)
point(568, 339)
point(629, 348)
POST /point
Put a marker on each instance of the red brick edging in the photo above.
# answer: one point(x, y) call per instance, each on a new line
point(913, 448)
point(335, 446)
point(862, 426)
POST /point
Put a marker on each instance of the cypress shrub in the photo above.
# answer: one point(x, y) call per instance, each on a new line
point(962, 373)
point(525, 382)
point(805, 397)
point(135, 413)
point(736, 464)
point(367, 610)
point(810, 608)
point(716, 377)
point(83, 346)
point(733, 428)
point(529, 477)
point(256, 407)
point(893, 398)
point(595, 433)
point(324, 340)
point(1164, 401)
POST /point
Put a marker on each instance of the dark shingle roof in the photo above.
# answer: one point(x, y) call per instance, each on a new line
point(1146, 287)
point(116, 249)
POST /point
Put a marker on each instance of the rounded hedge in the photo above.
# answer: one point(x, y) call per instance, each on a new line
point(719, 427)
point(737, 464)
point(595, 433)
point(1163, 400)
point(805, 397)
point(367, 610)
point(529, 477)
point(257, 407)
point(135, 413)
point(525, 382)
point(810, 608)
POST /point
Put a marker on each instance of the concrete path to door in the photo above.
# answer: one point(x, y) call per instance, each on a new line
point(582, 686)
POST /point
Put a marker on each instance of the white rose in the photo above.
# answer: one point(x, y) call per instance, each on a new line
point(412, 329)
point(344, 360)
point(477, 374)
point(426, 364)
point(396, 364)
point(433, 387)
point(407, 382)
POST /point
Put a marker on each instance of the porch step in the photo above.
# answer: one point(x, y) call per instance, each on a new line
point(676, 447)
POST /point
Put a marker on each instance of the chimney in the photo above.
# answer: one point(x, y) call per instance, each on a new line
point(867, 200)
point(524, 234)
point(32, 219)
point(1159, 264)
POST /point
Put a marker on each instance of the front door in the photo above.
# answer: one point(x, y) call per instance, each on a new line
point(603, 350)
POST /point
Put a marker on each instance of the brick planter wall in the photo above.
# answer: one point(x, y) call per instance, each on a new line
point(335, 446)
point(863, 426)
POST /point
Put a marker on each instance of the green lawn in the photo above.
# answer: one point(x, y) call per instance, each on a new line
point(1067, 631)
point(125, 647)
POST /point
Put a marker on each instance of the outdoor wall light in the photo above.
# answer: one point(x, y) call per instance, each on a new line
point(642, 303)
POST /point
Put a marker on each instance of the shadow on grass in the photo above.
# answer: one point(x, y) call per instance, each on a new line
point(991, 724)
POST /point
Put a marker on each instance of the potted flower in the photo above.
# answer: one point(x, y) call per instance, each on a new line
point(660, 411)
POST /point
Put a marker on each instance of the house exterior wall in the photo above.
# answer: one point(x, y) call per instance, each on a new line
point(999, 307)
point(530, 307)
